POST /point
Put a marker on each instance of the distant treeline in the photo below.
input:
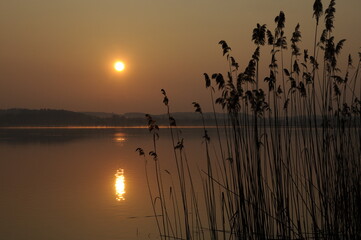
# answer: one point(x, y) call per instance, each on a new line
point(51, 117)
point(63, 118)
point(46, 117)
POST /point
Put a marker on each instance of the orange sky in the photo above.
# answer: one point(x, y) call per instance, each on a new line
point(59, 54)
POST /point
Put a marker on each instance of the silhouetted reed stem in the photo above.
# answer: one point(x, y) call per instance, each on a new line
point(288, 164)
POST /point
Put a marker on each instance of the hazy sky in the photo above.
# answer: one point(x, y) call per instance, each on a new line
point(59, 54)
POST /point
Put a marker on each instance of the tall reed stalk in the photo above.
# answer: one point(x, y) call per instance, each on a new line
point(285, 162)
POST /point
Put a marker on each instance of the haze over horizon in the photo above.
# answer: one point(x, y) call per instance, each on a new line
point(60, 54)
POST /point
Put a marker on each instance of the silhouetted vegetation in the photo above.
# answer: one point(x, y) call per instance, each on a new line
point(46, 117)
point(63, 118)
point(263, 177)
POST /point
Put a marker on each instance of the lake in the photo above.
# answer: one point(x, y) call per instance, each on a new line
point(74, 183)
point(91, 183)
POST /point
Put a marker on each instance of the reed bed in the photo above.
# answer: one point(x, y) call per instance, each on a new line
point(285, 161)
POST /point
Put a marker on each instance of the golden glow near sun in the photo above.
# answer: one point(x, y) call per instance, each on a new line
point(119, 66)
point(120, 185)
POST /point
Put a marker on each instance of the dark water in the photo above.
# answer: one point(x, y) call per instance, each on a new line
point(62, 183)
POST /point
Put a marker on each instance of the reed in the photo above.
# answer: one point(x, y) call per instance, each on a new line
point(285, 163)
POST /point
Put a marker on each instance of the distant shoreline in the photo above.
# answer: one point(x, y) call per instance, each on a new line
point(97, 127)
point(49, 118)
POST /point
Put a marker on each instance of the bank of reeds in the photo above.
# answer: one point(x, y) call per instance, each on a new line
point(285, 162)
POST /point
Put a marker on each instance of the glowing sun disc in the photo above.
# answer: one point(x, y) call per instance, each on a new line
point(119, 66)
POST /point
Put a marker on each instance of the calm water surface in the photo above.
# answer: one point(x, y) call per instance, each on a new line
point(80, 183)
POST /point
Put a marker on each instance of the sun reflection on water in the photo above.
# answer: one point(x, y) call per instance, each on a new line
point(120, 185)
point(119, 138)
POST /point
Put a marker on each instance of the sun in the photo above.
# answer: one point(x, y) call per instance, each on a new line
point(119, 66)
